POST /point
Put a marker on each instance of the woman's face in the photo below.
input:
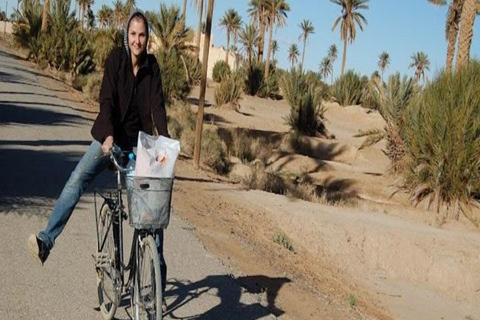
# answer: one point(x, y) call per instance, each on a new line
point(137, 37)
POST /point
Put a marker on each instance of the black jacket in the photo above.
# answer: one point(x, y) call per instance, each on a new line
point(116, 92)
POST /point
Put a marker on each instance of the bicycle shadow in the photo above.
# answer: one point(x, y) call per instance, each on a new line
point(226, 288)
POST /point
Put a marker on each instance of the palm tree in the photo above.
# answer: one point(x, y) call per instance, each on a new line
point(46, 10)
point(332, 54)
point(274, 48)
point(420, 63)
point(249, 38)
point(104, 16)
point(185, 10)
point(232, 22)
point(82, 7)
point(469, 12)
point(383, 61)
point(129, 6)
point(118, 13)
point(349, 17)
point(451, 27)
point(293, 54)
point(307, 29)
point(259, 14)
point(169, 27)
point(276, 15)
point(326, 67)
point(199, 5)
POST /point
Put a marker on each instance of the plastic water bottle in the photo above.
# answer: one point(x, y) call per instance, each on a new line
point(131, 165)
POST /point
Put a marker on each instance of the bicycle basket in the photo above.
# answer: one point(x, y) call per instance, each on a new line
point(149, 202)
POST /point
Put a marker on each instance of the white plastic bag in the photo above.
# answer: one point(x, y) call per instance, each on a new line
point(156, 156)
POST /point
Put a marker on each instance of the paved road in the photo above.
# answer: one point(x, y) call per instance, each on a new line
point(41, 139)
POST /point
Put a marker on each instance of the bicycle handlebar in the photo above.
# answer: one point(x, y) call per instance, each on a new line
point(114, 152)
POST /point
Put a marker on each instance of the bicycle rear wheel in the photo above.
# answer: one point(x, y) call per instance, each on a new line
point(108, 276)
point(148, 281)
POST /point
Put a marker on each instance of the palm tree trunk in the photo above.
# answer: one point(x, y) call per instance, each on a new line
point(303, 54)
point(261, 41)
point(200, 17)
point(228, 46)
point(269, 51)
point(46, 7)
point(344, 59)
point(203, 85)
point(185, 9)
point(466, 32)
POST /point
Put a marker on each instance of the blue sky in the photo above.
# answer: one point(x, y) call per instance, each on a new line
point(399, 27)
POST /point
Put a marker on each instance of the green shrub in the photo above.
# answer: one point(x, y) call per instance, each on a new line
point(213, 153)
point(92, 88)
point(392, 102)
point(27, 31)
point(229, 91)
point(443, 142)
point(194, 68)
point(104, 42)
point(347, 90)
point(283, 240)
point(254, 79)
point(270, 87)
point(175, 79)
point(220, 70)
point(306, 111)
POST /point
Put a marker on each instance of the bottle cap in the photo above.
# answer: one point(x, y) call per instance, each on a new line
point(131, 156)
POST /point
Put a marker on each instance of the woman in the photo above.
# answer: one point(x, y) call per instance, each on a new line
point(130, 97)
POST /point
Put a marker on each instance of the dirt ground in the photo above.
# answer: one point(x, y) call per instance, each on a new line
point(377, 258)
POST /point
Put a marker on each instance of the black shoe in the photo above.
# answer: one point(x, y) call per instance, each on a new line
point(38, 249)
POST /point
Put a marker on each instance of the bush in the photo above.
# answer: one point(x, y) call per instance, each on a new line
point(220, 70)
point(180, 118)
point(392, 102)
point(104, 42)
point(443, 142)
point(306, 113)
point(270, 87)
point(212, 153)
point(229, 91)
point(241, 146)
point(254, 79)
point(347, 90)
point(27, 31)
point(79, 82)
point(175, 79)
point(92, 88)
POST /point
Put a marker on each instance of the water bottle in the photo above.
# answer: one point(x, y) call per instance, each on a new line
point(131, 165)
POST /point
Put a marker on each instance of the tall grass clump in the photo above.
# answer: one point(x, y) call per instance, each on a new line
point(213, 153)
point(347, 90)
point(27, 30)
point(220, 70)
point(306, 111)
point(229, 91)
point(254, 79)
point(392, 102)
point(175, 79)
point(443, 142)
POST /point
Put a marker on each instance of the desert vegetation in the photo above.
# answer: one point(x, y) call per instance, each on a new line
point(430, 130)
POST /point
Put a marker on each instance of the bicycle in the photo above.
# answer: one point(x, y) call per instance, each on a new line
point(149, 201)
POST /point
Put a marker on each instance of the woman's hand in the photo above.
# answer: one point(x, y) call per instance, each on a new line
point(107, 145)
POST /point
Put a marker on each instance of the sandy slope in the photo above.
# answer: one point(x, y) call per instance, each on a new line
point(394, 252)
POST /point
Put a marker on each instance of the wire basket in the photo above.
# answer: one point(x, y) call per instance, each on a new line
point(149, 202)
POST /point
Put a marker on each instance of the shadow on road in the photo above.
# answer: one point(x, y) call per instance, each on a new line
point(229, 290)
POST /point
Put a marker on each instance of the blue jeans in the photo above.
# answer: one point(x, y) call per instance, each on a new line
point(90, 166)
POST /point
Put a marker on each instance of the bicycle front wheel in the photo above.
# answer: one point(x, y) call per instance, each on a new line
point(148, 281)
point(108, 277)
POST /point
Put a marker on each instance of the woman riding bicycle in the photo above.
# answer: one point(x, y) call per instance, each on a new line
point(131, 95)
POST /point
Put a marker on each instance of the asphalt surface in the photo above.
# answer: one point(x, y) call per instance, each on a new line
point(41, 140)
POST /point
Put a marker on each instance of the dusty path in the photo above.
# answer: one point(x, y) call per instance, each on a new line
point(40, 142)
